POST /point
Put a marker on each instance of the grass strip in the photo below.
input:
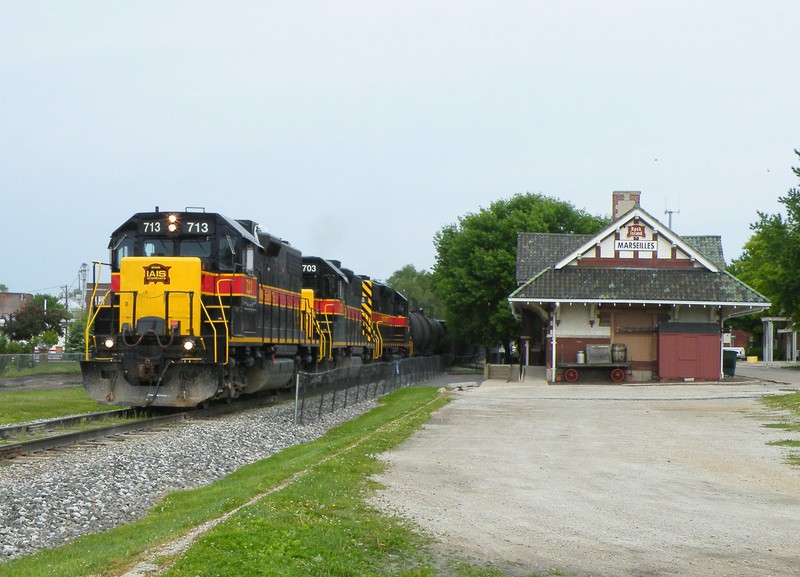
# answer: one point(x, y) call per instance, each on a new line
point(24, 406)
point(319, 524)
point(790, 406)
point(45, 368)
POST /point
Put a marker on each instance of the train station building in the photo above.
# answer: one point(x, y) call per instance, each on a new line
point(634, 302)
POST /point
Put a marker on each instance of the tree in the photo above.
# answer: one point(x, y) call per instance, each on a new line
point(417, 287)
point(476, 263)
point(40, 319)
point(771, 257)
point(3, 288)
point(8, 347)
point(76, 338)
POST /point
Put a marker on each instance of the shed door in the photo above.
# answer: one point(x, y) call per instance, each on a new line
point(689, 355)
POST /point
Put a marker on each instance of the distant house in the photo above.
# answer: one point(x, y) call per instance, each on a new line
point(635, 301)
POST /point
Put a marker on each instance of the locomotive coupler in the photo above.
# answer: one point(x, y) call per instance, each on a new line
point(147, 371)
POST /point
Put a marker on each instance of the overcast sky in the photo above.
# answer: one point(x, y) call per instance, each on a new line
point(356, 130)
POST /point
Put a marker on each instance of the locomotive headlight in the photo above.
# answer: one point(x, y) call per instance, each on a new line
point(172, 223)
point(188, 345)
point(109, 343)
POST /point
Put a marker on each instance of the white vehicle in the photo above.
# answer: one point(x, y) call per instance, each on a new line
point(740, 352)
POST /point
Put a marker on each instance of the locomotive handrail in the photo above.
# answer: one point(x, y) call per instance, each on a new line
point(213, 326)
point(376, 333)
point(168, 297)
point(91, 317)
point(305, 315)
point(224, 319)
point(90, 322)
point(192, 296)
point(309, 323)
point(326, 337)
point(325, 343)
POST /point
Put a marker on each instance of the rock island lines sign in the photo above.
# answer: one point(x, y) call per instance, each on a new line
point(634, 240)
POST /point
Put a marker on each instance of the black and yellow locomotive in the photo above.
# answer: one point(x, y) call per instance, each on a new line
point(202, 307)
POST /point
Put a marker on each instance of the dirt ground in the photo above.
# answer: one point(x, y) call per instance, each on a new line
point(604, 480)
point(39, 382)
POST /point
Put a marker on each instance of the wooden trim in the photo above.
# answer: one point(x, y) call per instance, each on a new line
point(635, 263)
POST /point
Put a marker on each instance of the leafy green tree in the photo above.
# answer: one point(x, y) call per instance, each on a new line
point(771, 258)
point(8, 347)
point(475, 268)
point(76, 338)
point(758, 271)
point(37, 321)
point(417, 287)
point(3, 288)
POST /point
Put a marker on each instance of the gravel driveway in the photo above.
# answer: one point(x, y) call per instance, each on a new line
point(604, 480)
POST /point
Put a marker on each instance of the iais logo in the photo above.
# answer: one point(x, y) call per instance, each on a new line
point(156, 273)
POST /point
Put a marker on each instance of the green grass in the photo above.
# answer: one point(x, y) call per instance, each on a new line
point(24, 406)
point(47, 368)
point(790, 402)
point(789, 405)
point(313, 519)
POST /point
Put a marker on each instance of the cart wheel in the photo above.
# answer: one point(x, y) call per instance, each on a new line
point(617, 375)
point(571, 375)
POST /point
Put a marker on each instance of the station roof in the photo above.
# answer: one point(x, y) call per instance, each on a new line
point(550, 270)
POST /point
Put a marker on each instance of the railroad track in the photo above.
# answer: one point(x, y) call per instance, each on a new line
point(50, 434)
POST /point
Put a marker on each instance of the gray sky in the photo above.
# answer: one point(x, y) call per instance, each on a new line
point(356, 130)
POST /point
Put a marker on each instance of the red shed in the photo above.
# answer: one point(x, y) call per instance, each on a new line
point(689, 350)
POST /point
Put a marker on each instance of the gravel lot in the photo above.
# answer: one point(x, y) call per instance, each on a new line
point(604, 480)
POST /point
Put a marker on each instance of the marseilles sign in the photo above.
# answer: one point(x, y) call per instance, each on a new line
point(638, 245)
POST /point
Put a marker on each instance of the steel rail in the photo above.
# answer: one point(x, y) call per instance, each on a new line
point(11, 450)
point(37, 427)
point(46, 443)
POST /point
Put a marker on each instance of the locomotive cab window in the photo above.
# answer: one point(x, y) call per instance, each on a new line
point(402, 308)
point(158, 247)
point(198, 248)
point(121, 249)
point(249, 259)
point(226, 253)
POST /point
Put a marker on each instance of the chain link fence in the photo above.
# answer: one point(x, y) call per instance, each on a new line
point(18, 362)
point(320, 393)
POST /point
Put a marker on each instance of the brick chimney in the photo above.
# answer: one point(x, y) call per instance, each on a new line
point(623, 201)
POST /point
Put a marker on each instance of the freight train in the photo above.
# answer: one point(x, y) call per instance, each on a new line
point(204, 307)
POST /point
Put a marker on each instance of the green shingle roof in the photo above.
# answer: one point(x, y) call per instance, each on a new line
point(694, 286)
point(537, 253)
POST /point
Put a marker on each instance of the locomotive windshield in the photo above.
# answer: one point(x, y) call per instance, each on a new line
point(225, 250)
point(158, 247)
point(154, 247)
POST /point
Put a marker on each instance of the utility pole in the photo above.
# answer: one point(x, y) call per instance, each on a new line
point(84, 269)
point(670, 213)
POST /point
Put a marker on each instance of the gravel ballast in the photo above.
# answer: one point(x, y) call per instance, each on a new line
point(49, 501)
